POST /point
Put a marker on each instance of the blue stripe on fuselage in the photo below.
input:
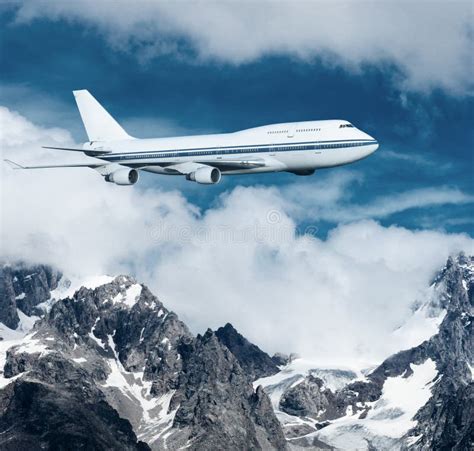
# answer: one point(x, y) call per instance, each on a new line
point(232, 150)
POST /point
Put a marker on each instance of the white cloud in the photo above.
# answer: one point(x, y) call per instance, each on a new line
point(333, 299)
point(17, 131)
point(331, 199)
point(429, 41)
point(424, 197)
point(239, 261)
point(409, 158)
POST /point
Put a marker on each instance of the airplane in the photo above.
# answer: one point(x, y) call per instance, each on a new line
point(297, 147)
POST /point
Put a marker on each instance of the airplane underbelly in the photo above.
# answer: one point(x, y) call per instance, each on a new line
point(300, 160)
point(337, 157)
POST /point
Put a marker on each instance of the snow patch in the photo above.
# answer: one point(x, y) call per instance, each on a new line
point(31, 345)
point(26, 322)
point(68, 286)
point(93, 337)
point(425, 321)
point(155, 419)
point(412, 440)
point(80, 360)
point(391, 416)
point(160, 427)
point(20, 339)
point(294, 373)
point(130, 297)
point(10, 338)
point(96, 281)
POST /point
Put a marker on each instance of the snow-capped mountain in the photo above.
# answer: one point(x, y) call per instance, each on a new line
point(419, 398)
point(103, 364)
point(109, 367)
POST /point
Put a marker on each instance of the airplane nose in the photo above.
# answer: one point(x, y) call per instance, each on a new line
point(375, 144)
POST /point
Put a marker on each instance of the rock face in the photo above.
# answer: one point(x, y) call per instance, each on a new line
point(445, 420)
point(112, 368)
point(37, 416)
point(308, 398)
point(22, 288)
point(218, 408)
point(251, 358)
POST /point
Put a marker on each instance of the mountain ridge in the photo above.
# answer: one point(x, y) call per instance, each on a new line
point(442, 364)
point(117, 349)
point(114, 350)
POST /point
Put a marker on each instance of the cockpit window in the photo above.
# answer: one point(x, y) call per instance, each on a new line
point(346, 126)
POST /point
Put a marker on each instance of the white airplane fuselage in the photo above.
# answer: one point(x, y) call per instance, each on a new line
point(300, 147)
point(297, 147)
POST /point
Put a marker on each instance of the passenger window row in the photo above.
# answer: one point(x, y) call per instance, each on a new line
point(237, 151)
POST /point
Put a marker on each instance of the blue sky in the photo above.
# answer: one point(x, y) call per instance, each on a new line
point(426, 135)
point(400, 71)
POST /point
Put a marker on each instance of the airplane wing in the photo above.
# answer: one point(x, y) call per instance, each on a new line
point(221, 164)
point(90, 152)
point(78, 165)
point(224, 164)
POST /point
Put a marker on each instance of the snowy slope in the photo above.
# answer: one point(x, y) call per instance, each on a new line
point(387, 418)
point(293, 373)
point(22, 338)
point(390, 418)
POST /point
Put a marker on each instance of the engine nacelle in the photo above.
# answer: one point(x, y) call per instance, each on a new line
point(123, 177)
point(205, 175)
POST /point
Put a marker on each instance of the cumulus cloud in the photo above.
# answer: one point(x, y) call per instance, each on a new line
point(240, 260)
point(430, 42)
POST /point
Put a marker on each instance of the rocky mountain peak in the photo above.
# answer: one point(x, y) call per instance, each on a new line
point(250, 357)
point(22, 288)
point(437, 374)
point(217, 392)
point(114, 349)
point(457, 277)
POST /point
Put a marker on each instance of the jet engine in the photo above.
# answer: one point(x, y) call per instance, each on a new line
point(205, 175)
point(123, 177)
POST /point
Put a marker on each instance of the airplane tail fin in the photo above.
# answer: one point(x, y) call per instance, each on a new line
point(99, 124)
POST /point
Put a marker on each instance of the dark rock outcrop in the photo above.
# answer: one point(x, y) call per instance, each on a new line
point(38, 416)
point(145, 335)
point(280, 359)
point(251, 358)
point(307, 399)
point(23, 287)
point(217, 404)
